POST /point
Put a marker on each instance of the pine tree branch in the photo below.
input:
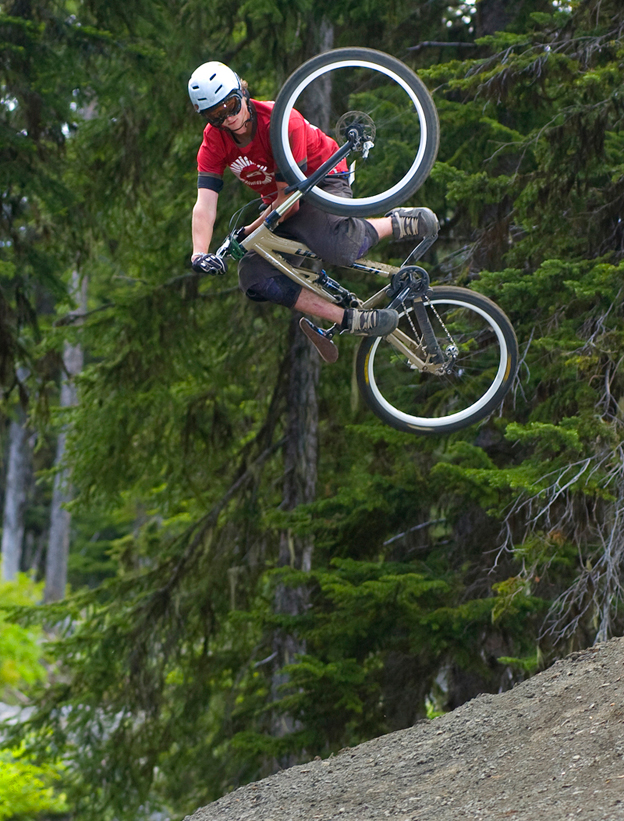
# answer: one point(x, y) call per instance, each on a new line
point(440, 44)
point(412, 530)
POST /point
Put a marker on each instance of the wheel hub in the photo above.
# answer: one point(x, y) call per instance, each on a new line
point(358, 128)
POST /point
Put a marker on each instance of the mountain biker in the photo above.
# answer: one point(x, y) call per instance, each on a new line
point(237, 135)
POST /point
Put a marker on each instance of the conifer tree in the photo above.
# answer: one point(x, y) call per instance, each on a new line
point(433, 559)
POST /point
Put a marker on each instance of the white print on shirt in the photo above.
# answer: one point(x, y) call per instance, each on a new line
point(250, 173)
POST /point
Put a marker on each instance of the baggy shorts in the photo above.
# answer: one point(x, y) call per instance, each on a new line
point(336, 240)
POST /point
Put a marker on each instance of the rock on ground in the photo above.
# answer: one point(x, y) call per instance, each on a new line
point(551, 748)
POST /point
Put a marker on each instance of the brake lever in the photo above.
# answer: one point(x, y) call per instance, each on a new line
point(231, 247)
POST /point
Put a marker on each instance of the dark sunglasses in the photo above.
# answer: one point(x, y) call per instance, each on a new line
point(229, 107)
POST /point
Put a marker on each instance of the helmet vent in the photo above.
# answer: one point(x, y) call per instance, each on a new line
point(213, 76)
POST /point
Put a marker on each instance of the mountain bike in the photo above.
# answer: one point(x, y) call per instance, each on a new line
point(454, 356)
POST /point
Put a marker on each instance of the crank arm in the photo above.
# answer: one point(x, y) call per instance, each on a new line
point(429, 338)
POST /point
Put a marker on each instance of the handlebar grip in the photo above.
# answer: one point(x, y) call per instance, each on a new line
point(224, 249)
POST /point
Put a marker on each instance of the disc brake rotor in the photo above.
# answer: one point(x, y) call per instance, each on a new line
point(364, 124)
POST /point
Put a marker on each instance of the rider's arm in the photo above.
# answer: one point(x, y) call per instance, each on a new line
point(279, 199)
point(204, 215)
point(282, 196)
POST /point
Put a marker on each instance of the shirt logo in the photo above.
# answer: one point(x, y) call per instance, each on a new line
point(250, 173)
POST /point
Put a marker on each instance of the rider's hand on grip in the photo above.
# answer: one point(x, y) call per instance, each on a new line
point(208, 264)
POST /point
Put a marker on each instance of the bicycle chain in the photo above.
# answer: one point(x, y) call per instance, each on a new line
point(419, 340)
point(444, 328)
point(407, 314)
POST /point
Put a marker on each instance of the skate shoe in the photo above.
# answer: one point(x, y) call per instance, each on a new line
point(413, 223)
point(370, 323)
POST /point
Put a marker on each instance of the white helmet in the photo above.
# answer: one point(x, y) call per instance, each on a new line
point(211, 83)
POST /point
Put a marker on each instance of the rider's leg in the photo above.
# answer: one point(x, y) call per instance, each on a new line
point(362, 323)
point(313, 305)
point(413, 223)
point(281, 290)
point(336, 240)
point(341, 240)
point(406, 223)
point(382, 225)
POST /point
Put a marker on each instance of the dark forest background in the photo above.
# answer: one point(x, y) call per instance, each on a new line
point(241, 567)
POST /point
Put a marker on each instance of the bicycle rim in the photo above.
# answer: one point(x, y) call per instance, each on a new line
point(479, 375)
point(381, 91)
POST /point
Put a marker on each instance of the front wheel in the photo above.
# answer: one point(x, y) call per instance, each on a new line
point(480, 353)
point(382, 97)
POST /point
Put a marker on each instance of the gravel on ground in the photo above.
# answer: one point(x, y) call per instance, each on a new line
point(551, 748)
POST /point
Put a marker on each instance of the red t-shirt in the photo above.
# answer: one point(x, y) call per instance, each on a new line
point(254, 164)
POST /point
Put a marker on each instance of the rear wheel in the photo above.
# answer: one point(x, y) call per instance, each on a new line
point(392, 108)
point(480, 352)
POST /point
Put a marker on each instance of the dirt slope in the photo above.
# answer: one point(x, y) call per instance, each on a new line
point(552, 748)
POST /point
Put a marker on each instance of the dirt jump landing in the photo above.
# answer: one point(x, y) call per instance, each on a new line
point(551, 748)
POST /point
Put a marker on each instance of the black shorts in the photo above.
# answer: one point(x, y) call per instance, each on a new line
point(336, 240)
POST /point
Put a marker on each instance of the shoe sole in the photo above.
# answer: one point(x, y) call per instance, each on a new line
point(323, 344)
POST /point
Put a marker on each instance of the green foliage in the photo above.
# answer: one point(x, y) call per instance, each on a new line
point(530, 664)
point(441, 568)
point(20, 647)
point(25, 790)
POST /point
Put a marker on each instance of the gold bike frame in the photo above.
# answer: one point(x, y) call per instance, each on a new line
point(272, 247)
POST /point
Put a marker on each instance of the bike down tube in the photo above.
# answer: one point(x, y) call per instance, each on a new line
point(265, 243)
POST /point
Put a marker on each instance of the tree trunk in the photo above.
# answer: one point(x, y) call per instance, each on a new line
point(60, 519)
point(300, 465)
point(318, 101)
point(300, 452)
point(18, 473)
point(495, 15)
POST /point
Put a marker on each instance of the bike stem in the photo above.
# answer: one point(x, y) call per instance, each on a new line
point(420, 249)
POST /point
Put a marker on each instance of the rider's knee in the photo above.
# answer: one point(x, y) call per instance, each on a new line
point(280, 289)
point(352, 238)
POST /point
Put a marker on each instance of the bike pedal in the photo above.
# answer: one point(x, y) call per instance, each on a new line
point(318, 337)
